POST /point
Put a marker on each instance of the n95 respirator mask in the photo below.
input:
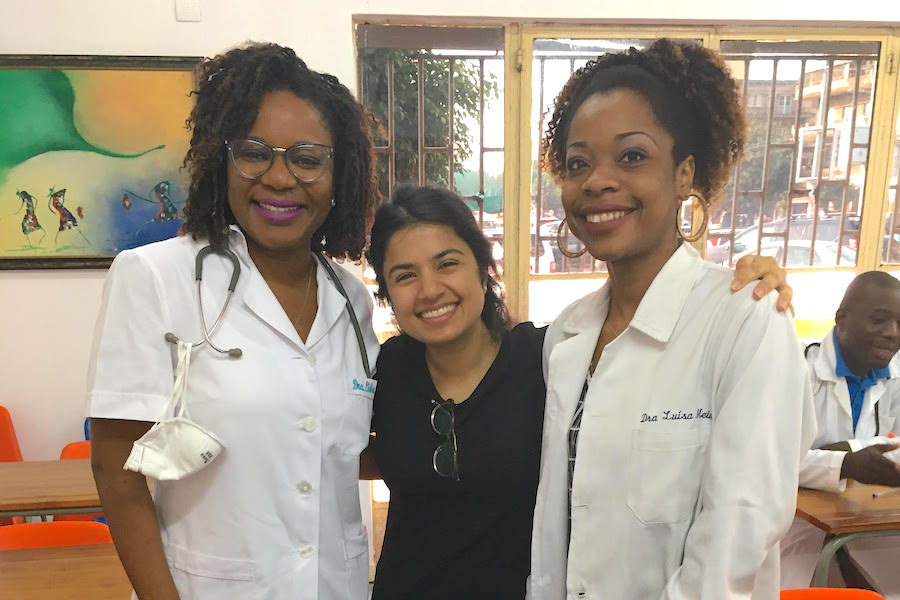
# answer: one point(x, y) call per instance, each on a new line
point(177, 447)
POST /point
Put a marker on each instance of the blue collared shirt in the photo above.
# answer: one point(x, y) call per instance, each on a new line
point(856, 385)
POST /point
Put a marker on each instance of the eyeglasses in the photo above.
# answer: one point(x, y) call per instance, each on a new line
point(446, 459)
point(253, 158)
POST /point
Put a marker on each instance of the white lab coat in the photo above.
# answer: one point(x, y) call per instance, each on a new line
point(277, 515)
point(694, 424)
point(821, 469)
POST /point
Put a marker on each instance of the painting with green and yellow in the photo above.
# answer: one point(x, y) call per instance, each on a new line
point(90, 159)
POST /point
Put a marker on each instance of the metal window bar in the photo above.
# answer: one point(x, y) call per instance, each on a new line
point(857, 74)
point(894, 228)
point(539, 196)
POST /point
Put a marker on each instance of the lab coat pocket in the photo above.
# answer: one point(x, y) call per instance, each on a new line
point(356, 553)
point(357, 419)
point(205, 565)
point(664, 473)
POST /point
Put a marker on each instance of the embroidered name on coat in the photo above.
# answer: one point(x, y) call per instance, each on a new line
point(677, 415)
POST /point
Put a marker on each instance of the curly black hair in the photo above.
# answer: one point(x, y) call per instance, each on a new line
point(412, 205)
point(691, 92)
point(231, 88)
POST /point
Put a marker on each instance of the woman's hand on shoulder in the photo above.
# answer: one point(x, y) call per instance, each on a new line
point(751, 268)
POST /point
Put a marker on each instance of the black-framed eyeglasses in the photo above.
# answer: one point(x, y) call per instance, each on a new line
point(253, 158)
point(446, 457)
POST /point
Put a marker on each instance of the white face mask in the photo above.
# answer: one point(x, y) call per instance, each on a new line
point(176, 447)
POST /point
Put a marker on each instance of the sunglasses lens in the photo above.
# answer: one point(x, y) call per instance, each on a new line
point(445, 460)
point(442, 419)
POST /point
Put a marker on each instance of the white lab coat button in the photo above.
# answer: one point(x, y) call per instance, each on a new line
point(306, 551)
point(305, 488)
point(308, 424)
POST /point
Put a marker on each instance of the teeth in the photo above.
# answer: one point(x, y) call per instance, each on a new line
point(278, 209)
point(438, 311)
point(605, 216)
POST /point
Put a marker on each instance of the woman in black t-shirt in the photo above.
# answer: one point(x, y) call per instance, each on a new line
point(458, 409)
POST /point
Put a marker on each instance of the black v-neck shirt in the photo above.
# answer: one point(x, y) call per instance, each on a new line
point(469, 538)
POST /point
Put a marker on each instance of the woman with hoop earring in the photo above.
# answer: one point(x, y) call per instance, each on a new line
point(677, 411)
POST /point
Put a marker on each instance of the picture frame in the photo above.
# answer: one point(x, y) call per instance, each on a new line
point(90, 156)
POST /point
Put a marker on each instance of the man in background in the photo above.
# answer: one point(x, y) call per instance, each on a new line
point(855, 375)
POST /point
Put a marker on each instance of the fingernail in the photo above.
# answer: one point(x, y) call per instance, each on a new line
point(734, 285)
point(757, 293)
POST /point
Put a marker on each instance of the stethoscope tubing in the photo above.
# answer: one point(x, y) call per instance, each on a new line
point(235, 275)
point(232, 284)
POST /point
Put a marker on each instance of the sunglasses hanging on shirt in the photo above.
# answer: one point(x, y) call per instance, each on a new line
point(446, 458)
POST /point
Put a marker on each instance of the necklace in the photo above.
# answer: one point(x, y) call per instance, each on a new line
point(309, 279)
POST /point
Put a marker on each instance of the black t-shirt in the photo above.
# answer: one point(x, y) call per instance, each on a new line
point(469, 538)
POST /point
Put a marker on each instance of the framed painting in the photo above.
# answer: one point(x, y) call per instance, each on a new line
point(90, 156)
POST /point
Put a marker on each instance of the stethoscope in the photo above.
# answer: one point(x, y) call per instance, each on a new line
point(232, 284)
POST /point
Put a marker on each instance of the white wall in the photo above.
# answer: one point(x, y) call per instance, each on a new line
point(47, 317)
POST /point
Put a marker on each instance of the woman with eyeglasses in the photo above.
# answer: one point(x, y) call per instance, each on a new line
point(459, 406)
point(677, 412)
point(281, 168)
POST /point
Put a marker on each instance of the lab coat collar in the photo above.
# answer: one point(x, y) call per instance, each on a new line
point(826, 358)
point(259, 298)
point(661, 306)
point(331, 303)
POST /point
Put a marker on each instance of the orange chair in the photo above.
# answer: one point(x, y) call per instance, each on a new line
point(830, 594)
point(9, 443)
point(9, 452)
point(76, 450)
point(42, 535)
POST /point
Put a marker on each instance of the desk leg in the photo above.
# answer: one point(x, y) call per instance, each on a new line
point(820, 579)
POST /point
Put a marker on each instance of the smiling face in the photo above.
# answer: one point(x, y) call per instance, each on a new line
point(278, 212)
point(434, 283)
point(868, 326)
point(621, 187)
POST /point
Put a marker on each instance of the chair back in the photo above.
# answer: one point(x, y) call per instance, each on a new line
point(53, 533)
point(9, 452)
point(830, 594)
point(9, 443)
point(76, 450)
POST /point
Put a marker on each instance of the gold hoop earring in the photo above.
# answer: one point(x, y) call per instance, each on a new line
point(703, 224)
point(563, 247)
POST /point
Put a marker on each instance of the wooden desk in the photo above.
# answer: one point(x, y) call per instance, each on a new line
point(847, 516)
point(48, 487)
point(63, 573)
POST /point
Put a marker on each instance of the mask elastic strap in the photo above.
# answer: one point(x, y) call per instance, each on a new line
point(179, 390)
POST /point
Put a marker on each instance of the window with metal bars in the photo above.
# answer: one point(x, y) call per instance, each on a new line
point(797, 192)
point(436, 94)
